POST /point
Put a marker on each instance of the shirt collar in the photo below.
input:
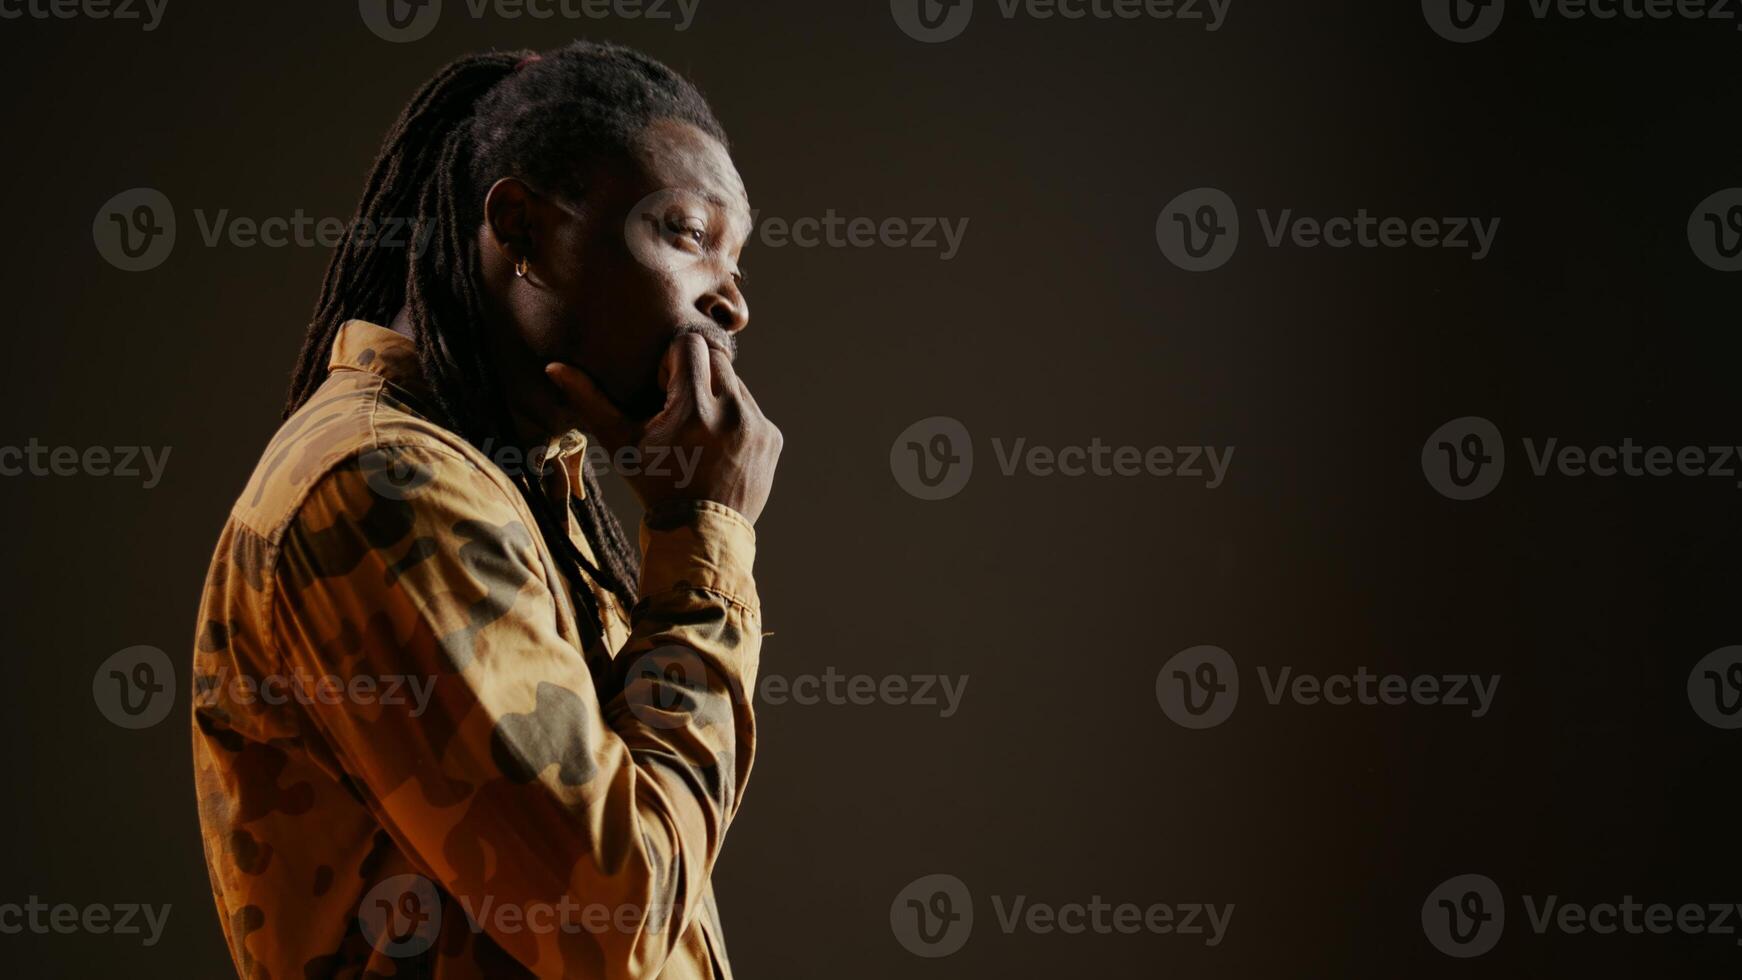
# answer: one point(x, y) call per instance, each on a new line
point(365, 346)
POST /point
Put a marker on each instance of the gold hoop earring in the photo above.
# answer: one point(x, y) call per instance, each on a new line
point(520, 267)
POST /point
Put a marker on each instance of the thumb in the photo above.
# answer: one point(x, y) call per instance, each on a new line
point(597, 414)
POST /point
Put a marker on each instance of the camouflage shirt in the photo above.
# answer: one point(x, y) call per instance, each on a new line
point(410, 759)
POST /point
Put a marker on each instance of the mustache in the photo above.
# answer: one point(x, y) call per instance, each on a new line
point(715, 337)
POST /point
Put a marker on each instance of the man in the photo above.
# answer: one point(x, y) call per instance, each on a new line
point(443, 724)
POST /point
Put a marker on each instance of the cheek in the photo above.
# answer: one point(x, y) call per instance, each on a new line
point(550, 330)
point(615, 313)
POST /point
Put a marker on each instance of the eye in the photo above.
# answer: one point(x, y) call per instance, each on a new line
point(683, 226)
point(740, 277)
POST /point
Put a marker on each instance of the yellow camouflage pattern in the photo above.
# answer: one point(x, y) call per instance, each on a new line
point(534, 802)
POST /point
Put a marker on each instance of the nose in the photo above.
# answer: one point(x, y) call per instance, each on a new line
point(725, 306)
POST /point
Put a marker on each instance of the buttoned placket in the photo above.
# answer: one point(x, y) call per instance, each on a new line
point(560, 478)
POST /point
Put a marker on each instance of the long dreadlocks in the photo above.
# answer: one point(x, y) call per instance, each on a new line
point(483, 117)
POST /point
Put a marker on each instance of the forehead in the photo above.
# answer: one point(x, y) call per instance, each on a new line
point(678, 155)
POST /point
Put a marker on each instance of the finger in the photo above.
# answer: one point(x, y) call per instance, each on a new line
point(724, 380)
point(596, 412)
point(694, 373)
point(686, 389)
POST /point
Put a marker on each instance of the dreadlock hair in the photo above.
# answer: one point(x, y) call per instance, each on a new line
point(541, 118)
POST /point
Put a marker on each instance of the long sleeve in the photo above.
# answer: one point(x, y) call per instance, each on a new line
point(516, 782)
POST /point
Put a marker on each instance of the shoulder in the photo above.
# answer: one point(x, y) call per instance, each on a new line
point(355, 449)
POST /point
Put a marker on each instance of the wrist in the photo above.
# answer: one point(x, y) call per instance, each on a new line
point(676, 511)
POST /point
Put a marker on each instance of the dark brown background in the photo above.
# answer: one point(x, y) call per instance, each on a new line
point(1059, 321)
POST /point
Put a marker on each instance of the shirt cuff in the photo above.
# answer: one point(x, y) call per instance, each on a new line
point(699, 544)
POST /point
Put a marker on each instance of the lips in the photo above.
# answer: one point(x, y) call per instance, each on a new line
point(716, 338)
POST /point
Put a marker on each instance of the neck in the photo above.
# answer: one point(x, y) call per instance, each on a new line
point(402, 323)
point(534, 407)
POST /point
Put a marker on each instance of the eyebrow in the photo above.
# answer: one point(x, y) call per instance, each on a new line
point(721, 203)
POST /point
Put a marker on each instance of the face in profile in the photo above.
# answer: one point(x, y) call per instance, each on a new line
point(652, 251)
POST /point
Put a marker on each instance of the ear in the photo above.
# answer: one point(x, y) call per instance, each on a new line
point(512, 216)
